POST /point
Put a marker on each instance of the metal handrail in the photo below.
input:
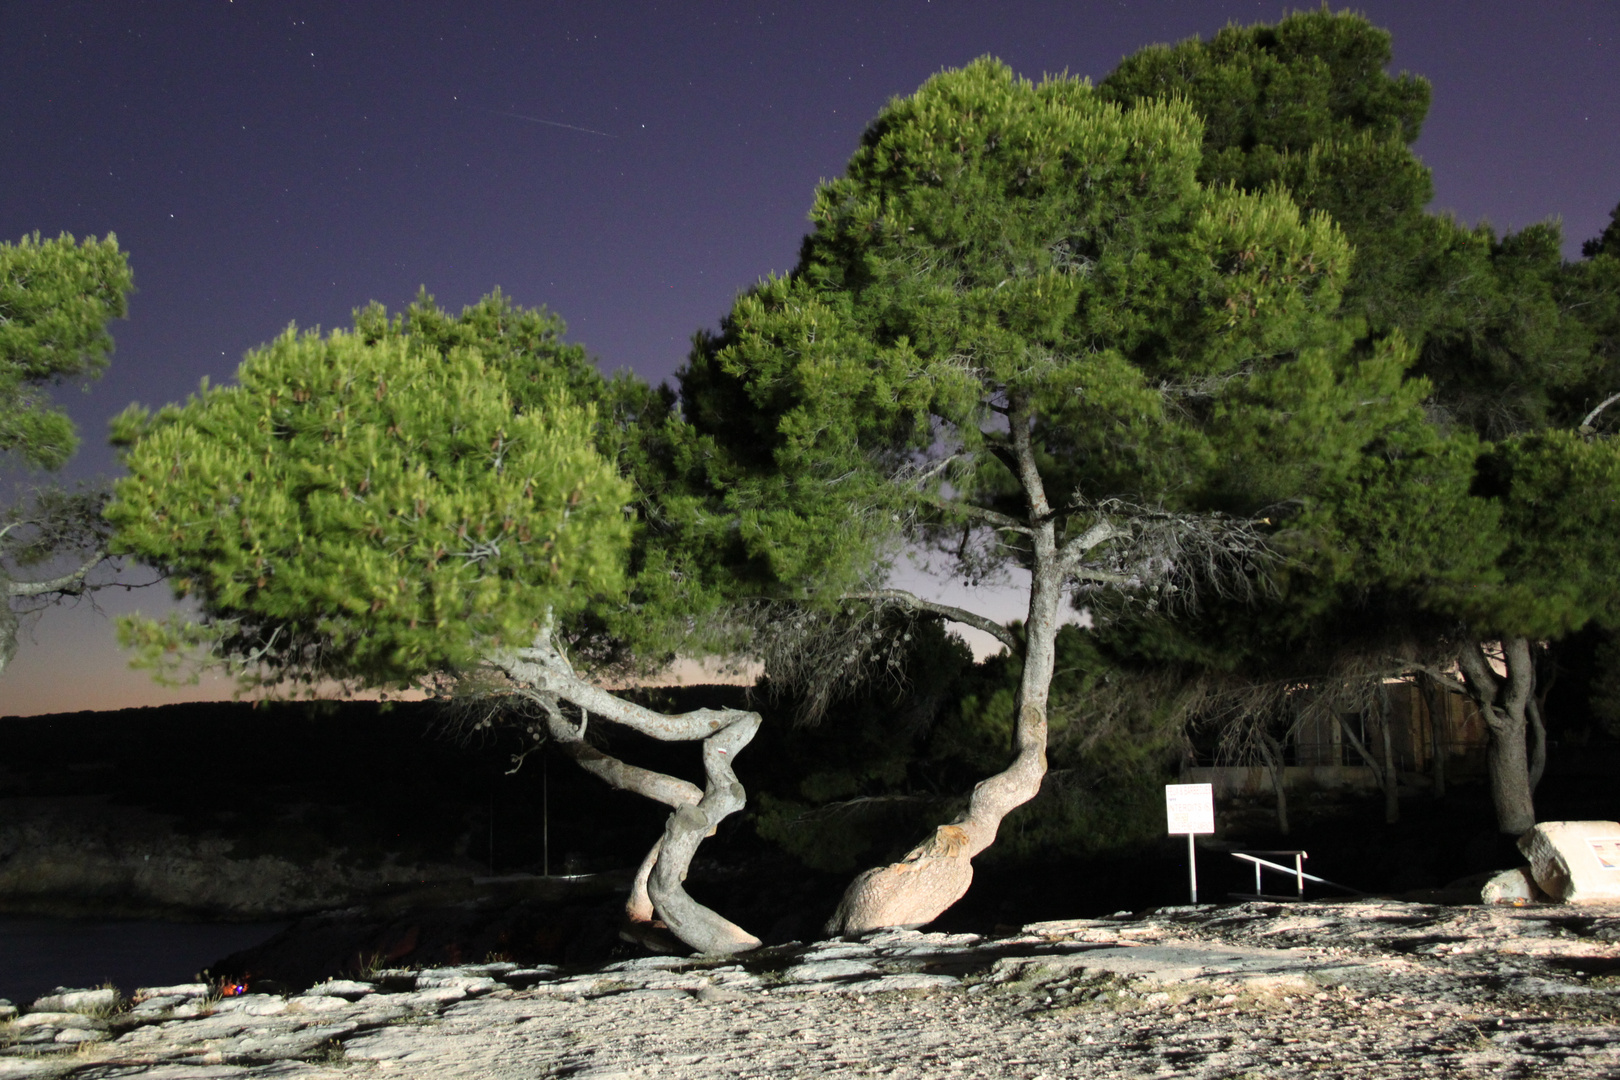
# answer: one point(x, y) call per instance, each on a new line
point(1297, 872)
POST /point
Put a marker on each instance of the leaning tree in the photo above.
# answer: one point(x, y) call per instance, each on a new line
point(422, 499)
point(1023, 333)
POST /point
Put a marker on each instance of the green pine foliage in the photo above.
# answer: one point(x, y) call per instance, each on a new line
point(1306, 105)
point(56, 298)
point(378, 505)
point(1507, 340)
point(994, 240)
point(1559, 493)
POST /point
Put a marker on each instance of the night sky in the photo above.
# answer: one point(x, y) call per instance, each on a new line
point(630, 165)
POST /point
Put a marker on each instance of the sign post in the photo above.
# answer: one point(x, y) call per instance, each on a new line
point(1191, 810)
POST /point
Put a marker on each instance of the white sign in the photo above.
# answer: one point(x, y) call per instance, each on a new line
point(1607, 851)
point(1190, 807)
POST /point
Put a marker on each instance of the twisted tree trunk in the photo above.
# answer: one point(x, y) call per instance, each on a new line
point(545, 676)
point(936, 873)
point(1504, 704)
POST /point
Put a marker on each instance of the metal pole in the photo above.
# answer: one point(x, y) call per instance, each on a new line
point(1192, 870)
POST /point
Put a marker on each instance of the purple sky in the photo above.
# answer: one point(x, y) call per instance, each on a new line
point(630, 165)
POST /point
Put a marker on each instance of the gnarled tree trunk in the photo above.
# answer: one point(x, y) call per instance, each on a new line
point(936, 873)
point(545, 676)
point(1504, 704)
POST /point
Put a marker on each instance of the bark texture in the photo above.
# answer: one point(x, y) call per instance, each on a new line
point(545, 676)
point(65, 585)
point(1504, 703)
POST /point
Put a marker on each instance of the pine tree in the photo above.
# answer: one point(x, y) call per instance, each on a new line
point(419, 501)
point(1023, 332)
point(1516, 345)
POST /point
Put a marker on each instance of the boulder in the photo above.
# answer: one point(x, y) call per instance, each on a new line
point(183, 990)
point(1577, 862)
point(77, 1001)
point(1516, 886)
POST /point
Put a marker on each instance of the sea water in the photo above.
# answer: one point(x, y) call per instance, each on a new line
point(38, 955)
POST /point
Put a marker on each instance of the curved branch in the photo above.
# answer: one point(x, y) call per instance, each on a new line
point(58, 584)
point(1587, 420)
point(989, 517)
point(1441, 678)
point(1073, 551)
point(954, 614)
point(1480, 680)
point(544, 667)
point(544, 670)
point(1025, 468)
point(669, 790)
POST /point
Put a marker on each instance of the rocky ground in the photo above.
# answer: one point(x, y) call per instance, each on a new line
point(1374, 988)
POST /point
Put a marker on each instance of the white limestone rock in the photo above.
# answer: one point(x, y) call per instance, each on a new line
point(819, 970)
point(342, 988)
point(59, 1020)
point(452, 979)
point(77, 1001)
point(183, 990)
point(252, 1005)
point(1577, 862)
point(1516, 886)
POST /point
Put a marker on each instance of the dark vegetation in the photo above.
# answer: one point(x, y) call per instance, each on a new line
point(300, 781)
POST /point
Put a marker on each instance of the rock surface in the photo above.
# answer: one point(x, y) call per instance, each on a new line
point(1575, 861)
point(1371, 989)
point(1511, 886)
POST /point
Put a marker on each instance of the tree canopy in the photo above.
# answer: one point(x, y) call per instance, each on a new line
point(422, 499)
point(371, 508)
point(56, 298)
point(1491, 524)
point(1022, 331)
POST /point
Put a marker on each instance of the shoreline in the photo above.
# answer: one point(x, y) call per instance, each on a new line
point(1374, 988)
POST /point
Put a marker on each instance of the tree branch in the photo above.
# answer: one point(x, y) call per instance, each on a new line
point(954, 614)
point(1441, 678)
point(57, 584)
point(986, 515)
point(1070, 554)
point(543, 667)
point(1587, 420)
point(1521, 674)
point(1477, 674)
point(1029, 475)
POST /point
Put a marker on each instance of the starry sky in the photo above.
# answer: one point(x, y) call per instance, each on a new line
point(630, 165)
